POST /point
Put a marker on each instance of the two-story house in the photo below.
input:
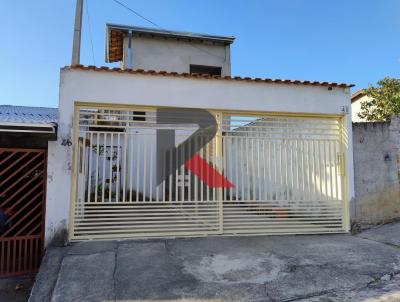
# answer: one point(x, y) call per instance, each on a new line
point(169, 144)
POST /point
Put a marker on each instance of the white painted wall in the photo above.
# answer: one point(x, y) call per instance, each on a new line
point(173, 55)
point(137, 89)
point(356, 108)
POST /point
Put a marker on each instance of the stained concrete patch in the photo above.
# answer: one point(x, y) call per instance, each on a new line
point(148, 271)
point(308, 264)
point(85, 278)
point(236, 268)
point(388, 233)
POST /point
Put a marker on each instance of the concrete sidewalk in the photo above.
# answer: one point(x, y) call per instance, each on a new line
point(259, 268)
point(16, 289)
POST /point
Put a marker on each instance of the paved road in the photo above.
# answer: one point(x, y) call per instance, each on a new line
point(261, 268)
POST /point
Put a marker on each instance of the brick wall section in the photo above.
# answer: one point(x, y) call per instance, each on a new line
point(376, 171)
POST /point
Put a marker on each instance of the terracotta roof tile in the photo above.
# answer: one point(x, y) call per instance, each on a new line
point(358, 94)
point(206, 76)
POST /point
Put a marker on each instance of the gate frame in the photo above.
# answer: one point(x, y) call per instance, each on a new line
point(43, 208)
point(219, 114)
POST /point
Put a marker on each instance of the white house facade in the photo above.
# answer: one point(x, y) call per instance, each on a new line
point(283, 148)
point(100, 88)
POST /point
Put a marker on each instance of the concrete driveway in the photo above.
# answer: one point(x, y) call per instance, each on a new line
point(260, 268)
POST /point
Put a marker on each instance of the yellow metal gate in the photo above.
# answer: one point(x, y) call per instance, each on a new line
point(287, 176)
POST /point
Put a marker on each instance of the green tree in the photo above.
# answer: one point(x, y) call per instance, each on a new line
point(384, 100)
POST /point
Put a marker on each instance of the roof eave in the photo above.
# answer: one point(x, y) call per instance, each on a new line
point(205, 76)
point(172, 34)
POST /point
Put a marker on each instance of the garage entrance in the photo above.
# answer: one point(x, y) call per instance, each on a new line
point(285, 175)
point(22, 195)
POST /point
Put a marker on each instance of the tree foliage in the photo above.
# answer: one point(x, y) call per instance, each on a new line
point(384, 100)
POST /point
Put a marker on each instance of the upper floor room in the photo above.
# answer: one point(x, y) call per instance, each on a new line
point(164, 50)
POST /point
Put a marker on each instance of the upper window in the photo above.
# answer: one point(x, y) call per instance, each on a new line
point(202, 69)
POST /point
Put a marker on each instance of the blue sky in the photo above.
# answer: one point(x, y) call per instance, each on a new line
point(341, 40)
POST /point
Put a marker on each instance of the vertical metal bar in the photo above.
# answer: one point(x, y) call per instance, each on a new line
point(36, 253)
point(138, 162)
point(196, 180)
point(320, 183)
point(163, 172)
point(224, 158)
point(170, 174)
point(237, 152)
point(183, 176)
point(124, 167)
point(90, 166)
point(331, 168)
point(259, 164)
point(214, 165)
point(111, 180)
point(151, 171)
point(218, 154)
point(26, 254)
point(265, 167)
point(269, 172)
point(131, 167)
point(230, 165)
point(20, 267)
point(201, 169)
point(325, 167)
point(2, 255)
point(248, 183)
point(176, 177)
point(8, 259)
point(208, 161)
point(282, 192)
point(162, 185)
point(32, 254)
point(292, 174)
point(310, 169)
point(303, 171)
point(253, 173)
point(97, 167)
point(189, 174)
point(314, 161)
point(275, 161)
point(83, 166)
point(297, 171)
point(144, 170)
point(117, 184)
point(14, 256)
point(103, 178)
point(286, 159)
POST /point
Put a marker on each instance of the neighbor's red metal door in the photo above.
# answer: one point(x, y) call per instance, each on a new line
point(22, 200)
